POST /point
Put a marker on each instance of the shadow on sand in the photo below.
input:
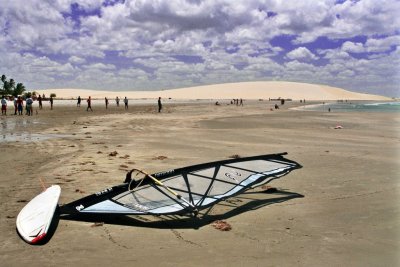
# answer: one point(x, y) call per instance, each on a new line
point(224, 210)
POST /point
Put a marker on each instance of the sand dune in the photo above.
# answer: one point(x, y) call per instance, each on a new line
point(245, 90)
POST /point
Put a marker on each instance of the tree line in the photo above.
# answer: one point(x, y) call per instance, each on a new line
point(10, 88)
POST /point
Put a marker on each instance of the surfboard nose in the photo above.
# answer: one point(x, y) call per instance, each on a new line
point(34, 220)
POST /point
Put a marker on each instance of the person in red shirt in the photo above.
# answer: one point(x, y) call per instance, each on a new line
point(20, 105)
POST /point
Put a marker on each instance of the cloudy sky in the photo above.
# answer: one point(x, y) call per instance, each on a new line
point(161, 44)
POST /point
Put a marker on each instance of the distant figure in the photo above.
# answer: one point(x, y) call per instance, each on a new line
point(159, 105)
point(15, 106)
point(241, 102)
point(20, 105)
point(3, 106)
point(89, 104)
point(126, 102)
point(117, 101)
point(78, 104)
point(329, 109)
point(40, 102)
point(276, 106)
point(282, 101)
point(106, 100)
point(217, 103)
point(29, 109)
point(51, 102)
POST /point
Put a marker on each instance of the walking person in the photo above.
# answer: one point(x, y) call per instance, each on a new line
point(89, 104)
point(78, 104)
point(40, 102)
point(106, 100)
point(159, 105)
point(117, 101)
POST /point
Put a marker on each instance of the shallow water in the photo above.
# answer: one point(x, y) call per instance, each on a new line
point(18, 129)
point(356, 106)
point(28, 137)
point(17, 123)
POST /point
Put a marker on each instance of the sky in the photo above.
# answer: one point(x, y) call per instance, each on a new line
point(155, 45)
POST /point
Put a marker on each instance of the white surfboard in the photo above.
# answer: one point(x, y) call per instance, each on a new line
point(34, 220)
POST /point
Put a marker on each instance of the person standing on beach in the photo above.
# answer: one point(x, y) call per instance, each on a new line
point(15, 106)
point(126, 102)
point(106, 100)
point(117, 101)
point(29, 110)
point(78, 104)
point(3, 106)
point(51, 102)
point(89, 104)
point(40, 102)
point(159, 105)
point(20, 105)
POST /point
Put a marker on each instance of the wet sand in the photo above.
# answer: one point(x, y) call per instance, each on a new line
point(340, 209)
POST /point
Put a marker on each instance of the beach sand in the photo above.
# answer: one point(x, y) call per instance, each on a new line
point(340, 209)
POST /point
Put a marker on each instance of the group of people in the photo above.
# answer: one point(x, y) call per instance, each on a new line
point(126, 101)
point(18, 106)
point(237, 102)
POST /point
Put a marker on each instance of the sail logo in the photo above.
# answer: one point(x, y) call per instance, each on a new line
point(104, 191)
point(160, 174)
point(140, 207)
point(233, 175)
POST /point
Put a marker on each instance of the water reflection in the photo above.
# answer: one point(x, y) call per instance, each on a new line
point(19, 129)
point(30, 137)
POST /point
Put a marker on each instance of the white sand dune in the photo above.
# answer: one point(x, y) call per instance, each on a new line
point(245, 90)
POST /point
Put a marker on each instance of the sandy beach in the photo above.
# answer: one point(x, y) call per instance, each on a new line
point(340, 209)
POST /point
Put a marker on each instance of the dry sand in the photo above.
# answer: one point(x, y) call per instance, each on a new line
point(340, 209)
point(245, 90)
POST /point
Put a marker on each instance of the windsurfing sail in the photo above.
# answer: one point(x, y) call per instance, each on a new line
point(184, 190)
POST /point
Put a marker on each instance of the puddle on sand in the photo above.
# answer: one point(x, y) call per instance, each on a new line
point(16, 129)
point(29, 137)
point(16, 123)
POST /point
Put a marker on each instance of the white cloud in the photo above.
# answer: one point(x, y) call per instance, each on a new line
point(353, 47)
point(100, 66)
point(382, 45)
point(76, 60)
point(301, 53)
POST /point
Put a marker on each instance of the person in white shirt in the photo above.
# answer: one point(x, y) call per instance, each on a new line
point(3, 106)
point(29, 109)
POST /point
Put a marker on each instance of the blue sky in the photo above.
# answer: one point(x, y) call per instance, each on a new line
point(153, 45)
